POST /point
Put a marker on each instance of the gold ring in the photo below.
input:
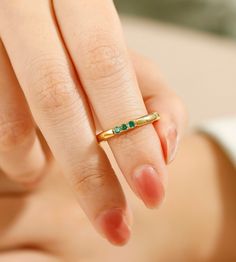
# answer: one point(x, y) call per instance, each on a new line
point(125, 127)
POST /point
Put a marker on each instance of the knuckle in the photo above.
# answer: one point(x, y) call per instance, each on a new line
point(91, 177)
point(104, 62)
point(105, 58)
point(13, 132)
point(52, 85)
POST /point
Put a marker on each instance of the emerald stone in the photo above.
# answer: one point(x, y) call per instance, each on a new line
point(131, 124)
point(124, 127)
point(117, 130)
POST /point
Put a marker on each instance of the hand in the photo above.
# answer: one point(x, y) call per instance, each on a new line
point(68, 59)
point(47, 226)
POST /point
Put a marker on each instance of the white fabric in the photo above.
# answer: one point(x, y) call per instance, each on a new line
point(223, 131)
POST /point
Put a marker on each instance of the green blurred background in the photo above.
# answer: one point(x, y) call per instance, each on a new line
point(215, 16)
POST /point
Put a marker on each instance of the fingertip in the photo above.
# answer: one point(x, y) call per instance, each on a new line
point(114, 225)
point(149, 185)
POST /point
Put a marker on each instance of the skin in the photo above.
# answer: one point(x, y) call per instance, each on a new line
point(67, 72)
point(205, 219)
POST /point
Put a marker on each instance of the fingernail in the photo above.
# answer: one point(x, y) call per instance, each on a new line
point(114, 226)
point(149, 186)
point(171, 145)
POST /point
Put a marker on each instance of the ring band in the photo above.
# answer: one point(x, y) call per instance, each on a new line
point(125, 127)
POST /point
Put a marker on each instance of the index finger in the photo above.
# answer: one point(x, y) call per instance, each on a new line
point(60, 110)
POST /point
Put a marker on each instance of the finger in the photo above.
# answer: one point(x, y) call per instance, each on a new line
point(21, 155)
point(60, 110)
point(102, 62)
point(159, 97)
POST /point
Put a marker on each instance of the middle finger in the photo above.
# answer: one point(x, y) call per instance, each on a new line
point(99, 53)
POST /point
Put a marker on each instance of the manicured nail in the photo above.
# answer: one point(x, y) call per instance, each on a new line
point(149, 186)
point(114, 226)
point(171, 145)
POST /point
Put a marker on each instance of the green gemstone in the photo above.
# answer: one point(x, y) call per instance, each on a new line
point(117, 130)
point(124, 127)
point(131, 124)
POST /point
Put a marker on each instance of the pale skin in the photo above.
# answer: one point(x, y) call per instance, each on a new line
point(197, 222)
point(59, 62)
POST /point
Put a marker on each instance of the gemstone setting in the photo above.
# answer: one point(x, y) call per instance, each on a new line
point(117, 130)
point(131, 124)
point(124, 127)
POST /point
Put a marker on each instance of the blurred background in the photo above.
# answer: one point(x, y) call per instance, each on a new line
point(193, 43)
point(216, 16)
